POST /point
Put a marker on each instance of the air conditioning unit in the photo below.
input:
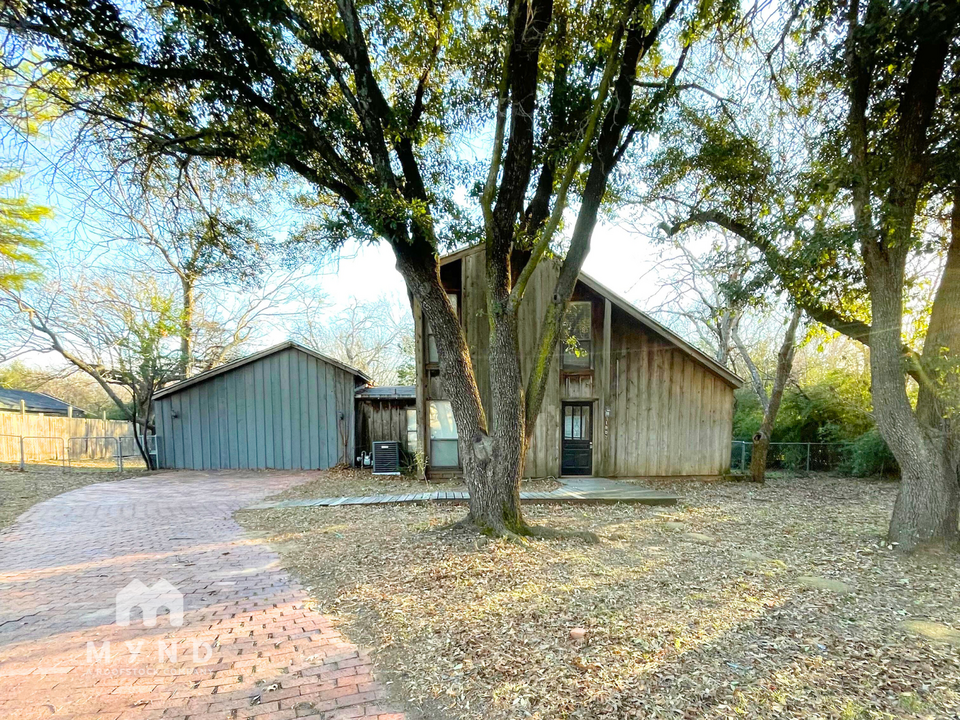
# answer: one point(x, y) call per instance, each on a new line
point(386, 458)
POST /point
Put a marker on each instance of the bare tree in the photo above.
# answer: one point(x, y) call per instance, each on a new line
point(770, 403)
point(375, 337)
point(115, 328)
point(702, 291)
point(195, 221)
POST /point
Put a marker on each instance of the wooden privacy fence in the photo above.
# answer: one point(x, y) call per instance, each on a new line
point(46, 439)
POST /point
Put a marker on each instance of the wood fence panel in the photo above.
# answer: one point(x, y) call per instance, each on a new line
point(49, 438)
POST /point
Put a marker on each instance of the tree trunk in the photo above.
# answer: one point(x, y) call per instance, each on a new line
point(925, 511)
point(928, 505)
point(498, 506)
point(758, 456)
point(186, 330)
point(761, 441)
point(491, 464)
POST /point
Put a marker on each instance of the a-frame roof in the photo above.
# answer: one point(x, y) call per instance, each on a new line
point(661, 330)
point(227, 367)
point(637, 314)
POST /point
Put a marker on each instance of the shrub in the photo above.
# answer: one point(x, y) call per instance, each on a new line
point(868, 455)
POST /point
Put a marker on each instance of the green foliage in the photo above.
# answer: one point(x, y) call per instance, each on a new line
point(831, 407)
point(376, 106)
point(868, 455)
point(18, 236)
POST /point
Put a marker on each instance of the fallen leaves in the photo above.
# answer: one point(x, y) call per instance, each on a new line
point(648, 623)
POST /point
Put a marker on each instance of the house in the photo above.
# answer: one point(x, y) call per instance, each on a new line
point(626, 396)
point(22, 401)
point(387, 413)
point(287, 407)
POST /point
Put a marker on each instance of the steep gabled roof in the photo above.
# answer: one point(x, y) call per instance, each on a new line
point(227, 367)
point(35, 402)
point(661, 330)
point(637, 314)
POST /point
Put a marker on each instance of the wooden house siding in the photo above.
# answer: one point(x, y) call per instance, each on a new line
point(380, 420)
point(659, 408)
point(668, 414)
point(287, 410)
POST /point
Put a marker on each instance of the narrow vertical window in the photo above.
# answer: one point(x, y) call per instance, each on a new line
point(444, 450)
point(577, 338)
point(432, 355)
point(411, 444)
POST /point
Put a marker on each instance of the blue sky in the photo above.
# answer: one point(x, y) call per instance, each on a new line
point(619, 257)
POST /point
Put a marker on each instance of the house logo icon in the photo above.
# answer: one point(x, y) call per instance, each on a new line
point(150, 599)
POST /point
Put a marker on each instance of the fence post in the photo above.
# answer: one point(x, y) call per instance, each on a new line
point(119, 454)
point(808, 458)
point(743, 456)
point(23, 457)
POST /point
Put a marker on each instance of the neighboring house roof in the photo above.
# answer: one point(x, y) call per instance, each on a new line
point(388, 392)
point(35, 402)
point(632, 310)
point(227, 367)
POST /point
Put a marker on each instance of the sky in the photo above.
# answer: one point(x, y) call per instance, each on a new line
point(619, 257)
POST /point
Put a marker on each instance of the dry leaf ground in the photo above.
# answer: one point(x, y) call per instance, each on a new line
point(697, 611)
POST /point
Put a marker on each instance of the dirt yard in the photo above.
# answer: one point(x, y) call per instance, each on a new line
point(744, 601)
point(21, 490)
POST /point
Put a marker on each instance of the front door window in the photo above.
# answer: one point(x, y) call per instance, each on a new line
point(577, 446)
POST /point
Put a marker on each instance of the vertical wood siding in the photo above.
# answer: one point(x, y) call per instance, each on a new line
point(668, 414)
point(282, 411)
point(381, 420)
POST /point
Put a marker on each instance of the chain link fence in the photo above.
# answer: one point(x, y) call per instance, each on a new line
point(794, 456)
point(87, 452)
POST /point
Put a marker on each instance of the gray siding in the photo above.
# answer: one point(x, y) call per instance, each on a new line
point(289, 410)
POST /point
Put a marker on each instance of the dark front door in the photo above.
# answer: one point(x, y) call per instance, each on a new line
point(577, 447)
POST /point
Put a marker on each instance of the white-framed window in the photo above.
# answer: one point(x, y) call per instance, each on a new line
point(411, 440)
point(444, 448)
point(578, 337)
point(432, 355)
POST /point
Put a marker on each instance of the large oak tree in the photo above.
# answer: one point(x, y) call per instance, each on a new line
point(368, 103)
point(845, 179)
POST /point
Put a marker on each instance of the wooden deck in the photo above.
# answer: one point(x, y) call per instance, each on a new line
point(581, 491)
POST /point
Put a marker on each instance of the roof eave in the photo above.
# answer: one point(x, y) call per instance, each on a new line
point(227, 367)
point(661, 330)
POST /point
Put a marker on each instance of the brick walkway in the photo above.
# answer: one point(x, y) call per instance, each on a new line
point(260, 653)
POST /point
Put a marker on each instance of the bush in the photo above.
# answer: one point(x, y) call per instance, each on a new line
point(868, 455)
point(836, 408)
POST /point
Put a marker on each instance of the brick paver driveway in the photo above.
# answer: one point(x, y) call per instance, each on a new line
point(247, 646)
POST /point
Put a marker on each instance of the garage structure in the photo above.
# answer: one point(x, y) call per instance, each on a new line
point(286, 408)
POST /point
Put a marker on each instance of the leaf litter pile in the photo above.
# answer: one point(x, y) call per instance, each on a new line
point(775, 601)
